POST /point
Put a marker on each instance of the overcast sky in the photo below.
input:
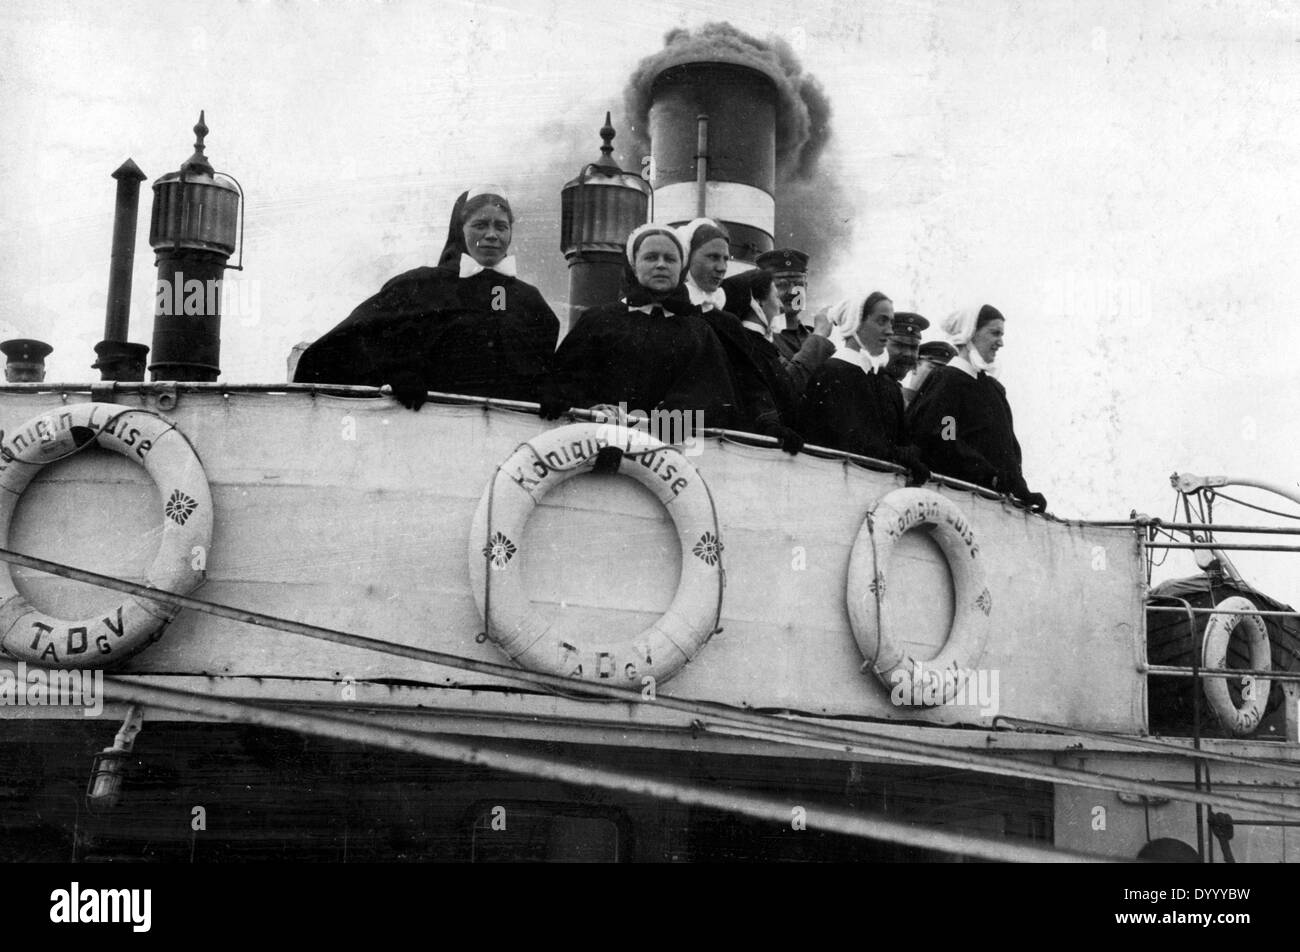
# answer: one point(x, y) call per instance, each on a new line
point(1119, 178)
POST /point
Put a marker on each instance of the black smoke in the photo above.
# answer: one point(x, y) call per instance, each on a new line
point(813, 210)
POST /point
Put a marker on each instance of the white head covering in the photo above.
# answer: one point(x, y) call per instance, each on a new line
point(846, 318)
point(959, 326)
point(686, 232)
point(652, 228)
point(478, 190)
point(716, 298)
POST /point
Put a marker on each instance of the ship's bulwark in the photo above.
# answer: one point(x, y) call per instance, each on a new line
point(355, 514)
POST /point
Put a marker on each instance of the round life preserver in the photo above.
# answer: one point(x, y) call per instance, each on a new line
point(1239, 721)
point(533, 470)
point(29, 634)
point(923, 683)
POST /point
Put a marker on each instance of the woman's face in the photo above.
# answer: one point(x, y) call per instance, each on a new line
point(988, 340)
point(771, 304)
point(874, 330)
point(487, 235)
point(658, 264)
point(709, 264)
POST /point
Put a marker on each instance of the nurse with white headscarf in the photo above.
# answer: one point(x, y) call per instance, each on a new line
point(962, 420)
point(851, 404)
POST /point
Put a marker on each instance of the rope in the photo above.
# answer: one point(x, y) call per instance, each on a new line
point(1271, 512)
point(797, 733)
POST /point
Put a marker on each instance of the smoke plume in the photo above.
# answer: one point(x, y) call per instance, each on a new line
point(813, 211)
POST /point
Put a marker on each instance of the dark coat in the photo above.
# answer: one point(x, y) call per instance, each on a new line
point(847, 409)
point(669, 360)
point(964, 429)
point(488, 335)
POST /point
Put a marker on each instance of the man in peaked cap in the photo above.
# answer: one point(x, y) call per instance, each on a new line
point(904, 342)
point(803, 350)
point(931, 354)
point(25, 360)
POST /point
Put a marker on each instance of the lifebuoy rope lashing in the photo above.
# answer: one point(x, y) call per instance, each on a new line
point(1238, 720)
point(103, 639)
point(899, 512)
point(520, 630)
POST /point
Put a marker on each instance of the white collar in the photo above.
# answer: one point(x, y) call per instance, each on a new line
point(974, 365)
point(860, 357)
point(645, 308)
point(469, 267)
point(708, 300)
point(964, 365)
point(757, 321)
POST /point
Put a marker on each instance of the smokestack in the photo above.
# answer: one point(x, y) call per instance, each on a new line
point(192, 231)
point(598, 210)
point(813, 209)
point(25, 360)
point(118, 358)
point(713, 137)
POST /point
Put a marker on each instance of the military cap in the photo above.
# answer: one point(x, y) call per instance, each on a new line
point(908, 326)
point(783, 260)
point(25, 350)
point(939, 350)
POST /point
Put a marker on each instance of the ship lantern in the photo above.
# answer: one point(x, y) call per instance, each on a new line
point(193, 230)
point(713, 137)
point(598, 210)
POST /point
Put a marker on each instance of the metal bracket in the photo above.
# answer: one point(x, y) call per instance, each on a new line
point(1187, 483)
point(103, 391)
point(166, 396)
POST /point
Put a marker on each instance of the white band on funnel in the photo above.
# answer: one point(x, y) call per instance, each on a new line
point(724, 201)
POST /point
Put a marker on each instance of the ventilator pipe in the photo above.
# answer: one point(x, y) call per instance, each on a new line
point(702, 166)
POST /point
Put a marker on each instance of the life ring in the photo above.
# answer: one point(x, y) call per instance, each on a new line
point(29, 634)
point(1238, 720)
point(940, 679)
point(533, 470)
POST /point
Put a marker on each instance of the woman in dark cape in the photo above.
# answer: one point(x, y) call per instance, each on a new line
point(467, 326)
point(961, 416)
point(752, 298)
point(707, 248)
point(649, 351)
point(850, 403)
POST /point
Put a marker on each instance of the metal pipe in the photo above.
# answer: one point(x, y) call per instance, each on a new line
point(1182, 672)
point(1232, 546)
point(1187, 483)
point(701, 165)
point(1225, 611)
point(1212, 527)
point(1146, 743)
point(117, 317)
point(874, 744)
point(830, 819)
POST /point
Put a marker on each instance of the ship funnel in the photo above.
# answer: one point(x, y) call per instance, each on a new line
point(598, 210)
point(713, 139)
point(196, 215)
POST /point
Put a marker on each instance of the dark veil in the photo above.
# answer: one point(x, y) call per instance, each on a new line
point(455, 246)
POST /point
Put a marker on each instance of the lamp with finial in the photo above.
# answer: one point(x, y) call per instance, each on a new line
point(598, 210)
point(193, 231)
